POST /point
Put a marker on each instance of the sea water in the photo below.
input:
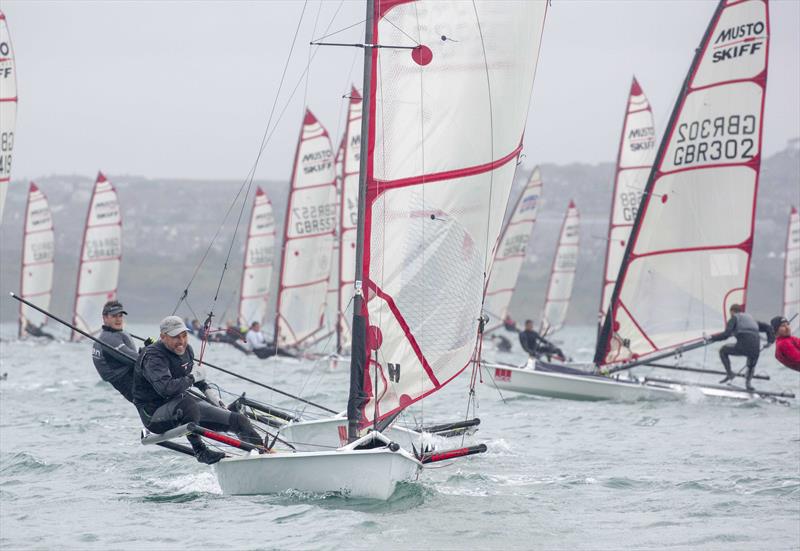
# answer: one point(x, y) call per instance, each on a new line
point(693, 474)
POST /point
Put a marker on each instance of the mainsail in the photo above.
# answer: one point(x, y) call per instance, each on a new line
point(259, 254)
point(637, 148)
point(8, 108)
point(439, 170)
point(348, 213)
point(308, 237)
point(509, 255)
point(101, 254)
point(332, 298)
point(688, 258)
point(38, 251)
point(791, 272)
point(562, 274)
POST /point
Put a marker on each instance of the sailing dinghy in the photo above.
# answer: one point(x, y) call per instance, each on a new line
point(432, 192)
point(791, 273)
point(101, 255)
point(688, 256)
point(38, 252)
point(562, 273)
point(510, 253)
point(8, 108)
point(259, 253)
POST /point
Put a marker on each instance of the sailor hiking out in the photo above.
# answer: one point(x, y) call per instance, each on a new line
point(787, 346)
point(536, 345)
point(164, 373)
point(746, 329)
point(114, 362)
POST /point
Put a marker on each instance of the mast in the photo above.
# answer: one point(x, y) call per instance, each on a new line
point(688, 257)
point(358, 347)
point(8, 108)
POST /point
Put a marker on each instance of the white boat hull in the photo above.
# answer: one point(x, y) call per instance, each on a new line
point(370, 474)
point(579, 387)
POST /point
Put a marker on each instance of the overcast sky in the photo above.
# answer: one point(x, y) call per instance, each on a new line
point(183, 89)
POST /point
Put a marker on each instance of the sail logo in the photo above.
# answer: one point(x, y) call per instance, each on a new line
point(106, 209)
point(39, 216)
point(738, 41)
point(642, 139)
point(317, 161)
point(515, 245)
point(529, 203)
point(394, 372)
point(6, 70)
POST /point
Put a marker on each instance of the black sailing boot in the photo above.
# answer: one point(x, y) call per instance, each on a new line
point(203, 453)
point(750, 371)
point(729, 377)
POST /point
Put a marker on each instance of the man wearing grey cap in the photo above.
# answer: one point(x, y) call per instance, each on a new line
point(114, 362)
point(163, 374)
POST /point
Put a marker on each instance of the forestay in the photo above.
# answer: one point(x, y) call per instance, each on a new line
point(101, 254)
point(689, 256)
point(562, 274)
point(348, 212)
point(38, 251)
point(791, 277)
point(509, 255)
point(309, 232)
point(439, 172)
point(259, 255)
point(8, 108)
point(637, 149)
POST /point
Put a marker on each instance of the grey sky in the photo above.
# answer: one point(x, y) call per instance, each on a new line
point(183, 89)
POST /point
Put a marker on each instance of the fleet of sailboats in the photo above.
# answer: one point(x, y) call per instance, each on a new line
point(396, 243)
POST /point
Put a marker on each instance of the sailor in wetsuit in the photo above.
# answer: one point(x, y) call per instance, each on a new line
point(163, 373)
point(37, 331)
point(258, 344)
point(748, 343)
point(114, 363)
point(536, 345)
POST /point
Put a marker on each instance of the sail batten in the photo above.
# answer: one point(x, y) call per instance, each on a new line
point(38, 252)
point(509, 255)
point(308, 238)
point(437, 186)
point(562, 273)
point(259, 254)
point(688, 257)
point(101, 256)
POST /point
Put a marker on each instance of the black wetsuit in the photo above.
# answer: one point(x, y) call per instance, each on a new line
point(535, 345)
point(37, 331)
point(116, 366)
point(748, 343)
point(161, 380)
point(503, 344)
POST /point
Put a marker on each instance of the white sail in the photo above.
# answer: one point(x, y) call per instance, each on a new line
point(509, 255)
point(791, 272)
point(688, 258)
point(38, 251)
point(348, 212)
point(637, 149)
point(101, 255)
point(8, 108)
point(259, 255)
point(309, 234)
point(446, 126)
point(562, 274)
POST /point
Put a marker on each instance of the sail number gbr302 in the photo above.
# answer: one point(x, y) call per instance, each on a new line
point(721, 139)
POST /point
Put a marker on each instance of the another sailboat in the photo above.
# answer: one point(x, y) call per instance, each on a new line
point(101, 256)
point(38, 252)
point(791, 273)
point(433, 188)
point(8, 108)
point(259, 255)
point(688, 257)
point(308, 237)
point(510, 253)
point(562, 273)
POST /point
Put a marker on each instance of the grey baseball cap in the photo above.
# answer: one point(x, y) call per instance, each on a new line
point(113, 307)
point(172, 326)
